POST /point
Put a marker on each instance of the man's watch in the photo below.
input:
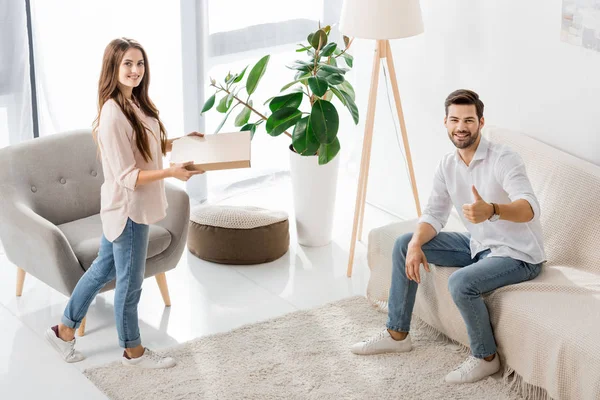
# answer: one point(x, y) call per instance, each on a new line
point(495, 216)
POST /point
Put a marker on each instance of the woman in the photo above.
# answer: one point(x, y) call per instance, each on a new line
point(132, 141)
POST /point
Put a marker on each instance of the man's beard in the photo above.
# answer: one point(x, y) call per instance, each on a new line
point(467, 142)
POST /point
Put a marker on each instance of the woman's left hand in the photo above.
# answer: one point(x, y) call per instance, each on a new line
point(197, 134)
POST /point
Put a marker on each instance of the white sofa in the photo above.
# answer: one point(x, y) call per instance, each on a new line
point(548, 329)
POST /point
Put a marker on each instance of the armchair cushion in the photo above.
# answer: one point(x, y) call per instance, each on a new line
point(84, 237)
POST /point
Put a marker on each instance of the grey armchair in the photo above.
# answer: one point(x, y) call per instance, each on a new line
point(49, 213)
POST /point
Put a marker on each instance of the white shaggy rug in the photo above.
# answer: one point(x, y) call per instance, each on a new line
point(302, 355)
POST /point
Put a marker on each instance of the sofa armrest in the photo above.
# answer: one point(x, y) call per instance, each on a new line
point(37, 246)
point(382, 239)
point(379, 258)
point(177, 219)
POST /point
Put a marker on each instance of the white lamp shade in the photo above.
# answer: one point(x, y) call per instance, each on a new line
point(381, 19)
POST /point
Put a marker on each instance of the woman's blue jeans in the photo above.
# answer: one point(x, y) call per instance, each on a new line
point(124, 259)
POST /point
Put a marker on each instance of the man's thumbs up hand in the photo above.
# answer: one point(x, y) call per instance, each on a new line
point(478, 211)
point(476, 193)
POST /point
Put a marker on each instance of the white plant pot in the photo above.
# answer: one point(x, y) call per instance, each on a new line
point(314, 189)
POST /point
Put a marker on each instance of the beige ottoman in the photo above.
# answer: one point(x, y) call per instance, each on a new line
point(238, 235)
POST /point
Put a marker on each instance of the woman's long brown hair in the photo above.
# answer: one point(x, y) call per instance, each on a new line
point(108, 88)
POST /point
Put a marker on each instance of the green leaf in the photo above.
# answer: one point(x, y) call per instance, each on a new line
point(327, 29)
point(303, 139)
point(349, 59)
point(338, 94)
point(327, 152)
point(351, 105)
point(335, 79)
point(332, 61)
point(224, 104)
point(347, 87)
point(301, 80)
point(282, 119)
point(301, 75)
point(348, 101)
point(318, 85)
point(319, 39)
point(256, 73)
point(225, 119)
point(240, 76)
point(310, 37)
point(303, 66)
point(292, 100)
point(328, 96)
point(209, 104)
point(325, 121)
point(329, 49)
point(244, 116)
point(251, 128)
point(332, 69)
point(302, 48)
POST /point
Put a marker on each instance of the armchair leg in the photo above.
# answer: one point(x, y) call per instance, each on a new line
point(81, 330)
point(20, 280)
point(161, 279)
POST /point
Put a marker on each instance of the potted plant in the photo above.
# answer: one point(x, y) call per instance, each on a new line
point(305, 107)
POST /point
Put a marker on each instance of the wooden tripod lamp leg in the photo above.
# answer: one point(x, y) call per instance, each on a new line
point(390, 63)
point(370, 121)
point(382, 47)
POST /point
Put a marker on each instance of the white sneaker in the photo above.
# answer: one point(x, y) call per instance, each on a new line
point(66, 349)
point(149, 360)
point(473, 369)
point(382, 343)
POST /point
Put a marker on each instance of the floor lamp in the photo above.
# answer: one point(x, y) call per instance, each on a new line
point(381, 20)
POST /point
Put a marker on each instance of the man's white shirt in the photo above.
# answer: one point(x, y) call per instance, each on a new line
point(500, 177)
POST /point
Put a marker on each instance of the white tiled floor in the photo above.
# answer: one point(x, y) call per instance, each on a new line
point(206, 298)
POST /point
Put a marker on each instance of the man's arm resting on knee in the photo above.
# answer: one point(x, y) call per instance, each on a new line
point(424, 233)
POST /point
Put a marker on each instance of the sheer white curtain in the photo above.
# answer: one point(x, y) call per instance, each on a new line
point(15, 88)
point(69, 41)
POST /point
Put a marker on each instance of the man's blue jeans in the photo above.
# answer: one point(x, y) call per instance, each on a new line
point(477, 276)
point(125, 259)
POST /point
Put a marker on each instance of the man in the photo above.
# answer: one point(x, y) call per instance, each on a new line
point(488, 186)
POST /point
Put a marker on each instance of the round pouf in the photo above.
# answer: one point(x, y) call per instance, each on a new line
point(238, 235)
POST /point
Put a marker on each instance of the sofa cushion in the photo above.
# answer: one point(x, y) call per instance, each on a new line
point(84, 237)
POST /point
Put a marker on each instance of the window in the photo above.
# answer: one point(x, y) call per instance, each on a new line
point(69, 40)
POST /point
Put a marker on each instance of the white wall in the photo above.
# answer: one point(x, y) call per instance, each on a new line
point(509, 51)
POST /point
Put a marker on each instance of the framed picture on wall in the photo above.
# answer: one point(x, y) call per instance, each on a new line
point(580, 24)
